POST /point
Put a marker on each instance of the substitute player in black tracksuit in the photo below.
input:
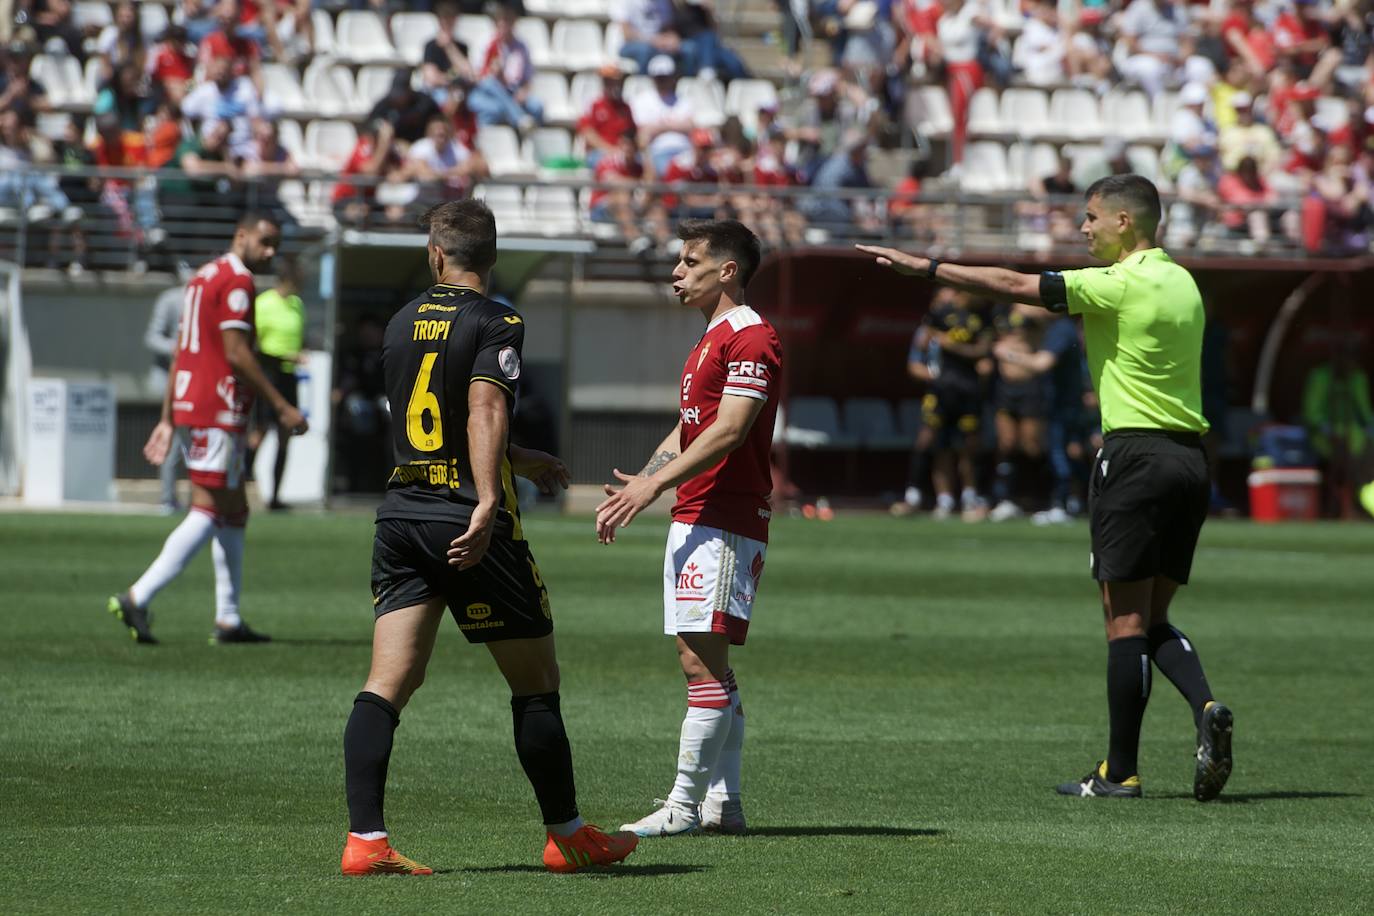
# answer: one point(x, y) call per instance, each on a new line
point(449, 537)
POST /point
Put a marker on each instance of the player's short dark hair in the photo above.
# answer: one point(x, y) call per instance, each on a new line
point(726, 238)
point(1136, 192)
point(251, 218)
point(465, 231)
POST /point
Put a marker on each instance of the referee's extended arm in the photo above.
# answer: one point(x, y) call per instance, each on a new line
point(989, 282)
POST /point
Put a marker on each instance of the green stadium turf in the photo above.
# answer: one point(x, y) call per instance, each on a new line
point(914, 692)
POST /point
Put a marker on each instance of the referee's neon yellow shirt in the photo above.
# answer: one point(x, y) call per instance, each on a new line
point(1142, 327)
point(280, 324)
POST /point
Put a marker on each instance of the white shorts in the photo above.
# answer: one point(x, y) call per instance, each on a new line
point(214, 457)
point(710, 580)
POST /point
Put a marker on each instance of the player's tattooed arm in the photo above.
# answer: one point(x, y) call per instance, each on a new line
point(658, 463)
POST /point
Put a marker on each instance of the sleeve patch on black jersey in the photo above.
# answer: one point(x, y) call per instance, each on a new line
point(509, 361)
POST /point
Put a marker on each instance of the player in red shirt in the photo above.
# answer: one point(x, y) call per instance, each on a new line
point(210, 389)
point(717, 457)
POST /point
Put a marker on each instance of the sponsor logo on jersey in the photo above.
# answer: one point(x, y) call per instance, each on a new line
point(509, 361)
point(512, 319)
point(436, 307)
point(183, 382)
point(702, 358)
point(691, 416)
point(479, 611)
point(686, 385)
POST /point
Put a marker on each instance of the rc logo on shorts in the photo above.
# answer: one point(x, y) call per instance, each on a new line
point(756, 569)
point(479, 611)
point(690, 579)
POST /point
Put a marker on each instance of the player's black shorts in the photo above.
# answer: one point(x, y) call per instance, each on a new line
point(952, 411)
point(503, 597)
point(1024, 400)
point(1148, 499)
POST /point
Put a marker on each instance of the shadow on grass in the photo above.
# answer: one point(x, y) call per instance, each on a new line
point(842, 830)
point(1245, 798)
point(605, 871)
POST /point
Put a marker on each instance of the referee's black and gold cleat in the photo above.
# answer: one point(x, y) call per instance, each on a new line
point(1097, 785)
point(1213, 752)
point(137, 619)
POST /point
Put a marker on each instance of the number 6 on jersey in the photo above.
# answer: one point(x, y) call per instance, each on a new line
point(423, 401)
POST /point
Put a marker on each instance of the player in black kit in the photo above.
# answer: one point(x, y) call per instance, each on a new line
point(449, 536)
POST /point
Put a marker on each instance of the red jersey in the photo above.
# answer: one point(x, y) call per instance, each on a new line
point(738, 355)
point(206, 392)
point(242, 51)
point(611, 120)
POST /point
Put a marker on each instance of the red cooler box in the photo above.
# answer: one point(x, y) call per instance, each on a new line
point(1284, 494)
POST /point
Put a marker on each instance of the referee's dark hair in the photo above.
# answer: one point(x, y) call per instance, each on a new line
point(726, 238)
point(465, 231)
point(1136, 193)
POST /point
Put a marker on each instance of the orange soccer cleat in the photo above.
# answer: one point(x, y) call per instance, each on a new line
point(588, 846)
point(376, 857)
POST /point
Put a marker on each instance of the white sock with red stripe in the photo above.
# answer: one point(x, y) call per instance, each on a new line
point(725, 778)
point(228, 554)
point(704, 730)
point(183, 543)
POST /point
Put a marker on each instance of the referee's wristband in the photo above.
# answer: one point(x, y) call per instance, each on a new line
point(930, 271)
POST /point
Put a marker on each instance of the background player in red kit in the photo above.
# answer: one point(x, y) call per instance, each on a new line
point(717, 457)
point(210, 390)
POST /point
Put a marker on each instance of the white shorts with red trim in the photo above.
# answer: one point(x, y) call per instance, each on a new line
point(214, 457)
point(710, 580)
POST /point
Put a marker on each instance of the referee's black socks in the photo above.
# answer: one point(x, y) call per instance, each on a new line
point(541, 743)
point(367, 751)
point(1177, 660)
point(1128, 690)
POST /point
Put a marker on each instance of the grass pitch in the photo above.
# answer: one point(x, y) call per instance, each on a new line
point(914, 692)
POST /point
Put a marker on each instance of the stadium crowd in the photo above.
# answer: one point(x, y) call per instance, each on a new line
point(1255, 116)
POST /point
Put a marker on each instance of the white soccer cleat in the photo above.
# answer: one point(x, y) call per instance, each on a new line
point(1004, 511)
point(1055, 516)
point(722, 815)
point(671, 819)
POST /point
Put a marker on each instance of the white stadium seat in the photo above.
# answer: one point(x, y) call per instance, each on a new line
point(500, 146)
point(61, 76)
point(553, 209)
point(551, 89)
point(635, 86)
point(328, 144)
point(1074, 113)
point(615, 40)
point(984, 118)
point(985, 167)
point(546, 143)
point(323, 26)
point(744, 96)
point(292, 139)
point(577, 44)
point(152, 20)
point(329, 87)
point(541, 7)
point(1028, 161)
point(282, 89)
point(373, 82)
point(476, 32)
point(1026, 112)
point(360, 35)
point(1127, 115)
point(535, 34)
point(585, 89)
point(412, 31)
point(933, 117)
point(707, 98)
point(92, 15)
point(507, 204)
point(53, 124)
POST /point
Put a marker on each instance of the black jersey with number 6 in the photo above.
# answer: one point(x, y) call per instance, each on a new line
point(435, 347)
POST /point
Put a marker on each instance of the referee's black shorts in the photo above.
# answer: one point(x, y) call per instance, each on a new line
point(502, 597)
point(282, 379)
point(1148, 498)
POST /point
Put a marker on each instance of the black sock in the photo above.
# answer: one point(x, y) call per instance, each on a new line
point(1128, 690)
point(1177, 660)
point(367, 751)
point(1004, 481)
point(542, 746)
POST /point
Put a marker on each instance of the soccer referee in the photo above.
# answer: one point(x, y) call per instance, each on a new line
point(1142, 324)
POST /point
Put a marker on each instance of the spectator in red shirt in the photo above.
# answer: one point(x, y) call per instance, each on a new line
point(502, 95)
point(373, 157)
point(693, 167)
point(227, 42)
point(1246, 188)
point(608, 118)
point(618, 172)
point(1300, 35)
point(171, 63)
